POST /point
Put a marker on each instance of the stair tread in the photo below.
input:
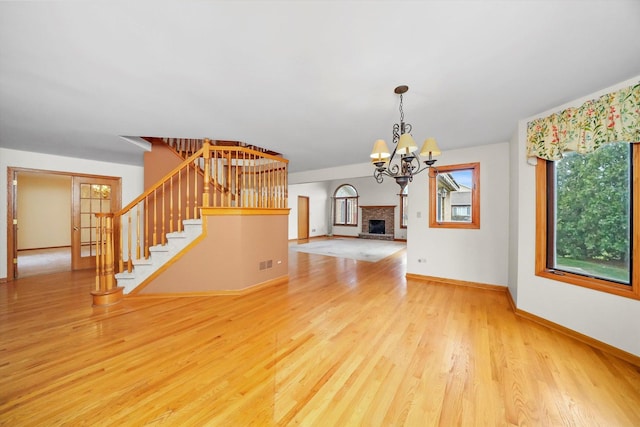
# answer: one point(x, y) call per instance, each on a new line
point(176, 235)
point(174, 243)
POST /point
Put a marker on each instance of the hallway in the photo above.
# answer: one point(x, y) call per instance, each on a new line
point(33, 262)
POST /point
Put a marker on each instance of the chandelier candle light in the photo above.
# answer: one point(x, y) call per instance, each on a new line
point(407, 150)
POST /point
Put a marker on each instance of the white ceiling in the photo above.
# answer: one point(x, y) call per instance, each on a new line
point(313, 80)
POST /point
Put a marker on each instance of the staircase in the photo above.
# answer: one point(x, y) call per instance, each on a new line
point(159, 255)
point(134, 245)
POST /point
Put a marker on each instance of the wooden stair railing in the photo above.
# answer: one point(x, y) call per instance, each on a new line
point(186, 147)
point(213, 177)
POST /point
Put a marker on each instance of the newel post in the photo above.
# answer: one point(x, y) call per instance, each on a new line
point(106, 292)
point(206, 152)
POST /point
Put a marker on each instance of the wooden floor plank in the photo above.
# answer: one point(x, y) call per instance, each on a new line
point(343, 342)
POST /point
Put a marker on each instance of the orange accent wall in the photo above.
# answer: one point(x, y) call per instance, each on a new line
point(229, 256)
point(158, 162)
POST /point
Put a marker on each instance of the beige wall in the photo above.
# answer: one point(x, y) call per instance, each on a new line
point(229, 256)
point(44, 210)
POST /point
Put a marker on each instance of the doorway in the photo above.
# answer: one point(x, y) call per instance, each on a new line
point(51, 223)
point(43, 244)
point(303, 218)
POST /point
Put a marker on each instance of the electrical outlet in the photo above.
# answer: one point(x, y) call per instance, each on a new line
point(418, 214)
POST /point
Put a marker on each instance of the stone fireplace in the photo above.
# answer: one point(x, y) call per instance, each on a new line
point(378, 222)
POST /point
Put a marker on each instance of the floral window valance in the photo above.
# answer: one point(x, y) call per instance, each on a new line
point(612, 117)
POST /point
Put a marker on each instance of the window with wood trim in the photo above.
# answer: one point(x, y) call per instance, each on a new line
point(404, 213)
point(588, 219)
point(345, 206)
point(454, 196)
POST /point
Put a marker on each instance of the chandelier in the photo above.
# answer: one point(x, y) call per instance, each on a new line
point(404, 162)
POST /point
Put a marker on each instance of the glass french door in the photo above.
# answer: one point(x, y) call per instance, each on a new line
point(91, 195)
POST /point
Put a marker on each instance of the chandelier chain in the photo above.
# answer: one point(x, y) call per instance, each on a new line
point(404, 127)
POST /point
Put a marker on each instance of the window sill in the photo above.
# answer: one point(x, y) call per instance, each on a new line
point(626, 291)
point(469, 225)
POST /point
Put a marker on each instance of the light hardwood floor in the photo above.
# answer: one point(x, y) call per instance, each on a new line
point(343, 343)
point(34, 262)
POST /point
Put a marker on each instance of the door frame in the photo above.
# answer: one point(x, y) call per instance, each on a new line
point(12, 208)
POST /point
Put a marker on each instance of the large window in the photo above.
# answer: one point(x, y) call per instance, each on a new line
point(454, 194)
point(588, 219)
point(345, 203)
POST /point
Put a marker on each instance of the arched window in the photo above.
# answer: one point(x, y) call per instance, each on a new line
point(345, 206)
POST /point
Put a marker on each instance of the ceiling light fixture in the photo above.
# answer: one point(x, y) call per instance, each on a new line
point(405, 147)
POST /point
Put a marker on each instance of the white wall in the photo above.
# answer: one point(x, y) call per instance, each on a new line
point(358, 170)
point(487, 263)
point(370, 193)
point(317, 192)
point(316, 184)
point(514, 191)
point(605, 317)
point(475, 255)
point(39, 193)
point(328, 180)
point(132, 180)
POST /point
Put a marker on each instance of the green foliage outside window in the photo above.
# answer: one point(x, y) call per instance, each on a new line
point(593, 211)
